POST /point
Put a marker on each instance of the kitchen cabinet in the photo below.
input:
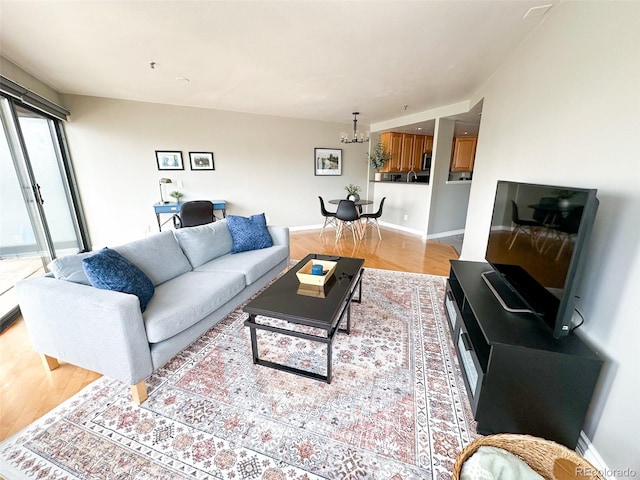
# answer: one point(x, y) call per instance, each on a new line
point(463, 154)
point(406, 151)
point(392, 143)
point(417, 149)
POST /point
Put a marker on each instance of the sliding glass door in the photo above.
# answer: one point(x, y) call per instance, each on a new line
point(38, 213)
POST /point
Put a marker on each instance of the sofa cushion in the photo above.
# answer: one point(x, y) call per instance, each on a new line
point(249, 233)
point(252, 264)
point(69, 268)
point(205, 242)
point(159, 256)
point(109, 270)
point(187, 299)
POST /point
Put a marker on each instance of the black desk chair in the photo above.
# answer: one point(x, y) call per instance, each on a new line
point(371, 219)
point(329, 217)
point(194, 213)
point(348, 216)
point(528, 227)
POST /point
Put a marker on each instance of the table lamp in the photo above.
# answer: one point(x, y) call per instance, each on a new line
point(161, 182)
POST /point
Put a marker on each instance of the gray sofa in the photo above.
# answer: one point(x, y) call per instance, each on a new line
point(197, 283)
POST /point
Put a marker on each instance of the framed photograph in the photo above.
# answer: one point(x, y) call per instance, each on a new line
point(169, 160)
point(201, 161)
point(327, 161)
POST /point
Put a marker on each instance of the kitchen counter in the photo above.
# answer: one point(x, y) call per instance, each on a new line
point(399, 182)
point(457, 182)
point(421, 178)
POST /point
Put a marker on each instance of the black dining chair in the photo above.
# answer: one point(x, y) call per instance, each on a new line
point(371, 219)
point(527, 227)
point(194, 213)
point(548, 214)
point(568, 227)
point(348, 216)
point(329, 217)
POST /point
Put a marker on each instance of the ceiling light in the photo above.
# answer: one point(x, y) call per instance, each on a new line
point(357, 138)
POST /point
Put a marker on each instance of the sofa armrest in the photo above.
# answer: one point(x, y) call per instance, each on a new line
point(99, 330)
point(279, 235)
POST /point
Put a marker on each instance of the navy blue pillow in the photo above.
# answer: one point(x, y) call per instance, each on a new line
point(248, 233)
point(109, 270)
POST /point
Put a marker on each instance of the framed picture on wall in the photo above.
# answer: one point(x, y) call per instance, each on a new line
point(201, 161)
point(169, 160)
point(327, 161)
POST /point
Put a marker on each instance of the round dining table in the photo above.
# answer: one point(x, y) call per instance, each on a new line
point(360, 202)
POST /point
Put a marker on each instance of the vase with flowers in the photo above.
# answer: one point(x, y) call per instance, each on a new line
point(563, 197)
point(352, 192)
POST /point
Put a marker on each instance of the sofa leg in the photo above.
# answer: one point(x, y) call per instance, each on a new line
point(49, 363)
point(139, 392)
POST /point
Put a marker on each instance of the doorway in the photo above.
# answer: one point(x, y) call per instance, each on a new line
point(39, 213)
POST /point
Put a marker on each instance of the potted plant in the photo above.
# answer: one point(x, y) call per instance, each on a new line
point(563, 197)
point(352, 192)
point(177, 195)
point(378, 158)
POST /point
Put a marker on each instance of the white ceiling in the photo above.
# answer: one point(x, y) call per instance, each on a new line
point(317, 60)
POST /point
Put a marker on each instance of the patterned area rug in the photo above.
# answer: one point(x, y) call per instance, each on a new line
point(396, 408)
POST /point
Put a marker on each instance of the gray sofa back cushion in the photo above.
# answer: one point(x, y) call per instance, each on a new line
point(69, 268)
point(205, 242)
point(158, 256)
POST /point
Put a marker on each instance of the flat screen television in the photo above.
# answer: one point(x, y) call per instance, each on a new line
point(536, 247)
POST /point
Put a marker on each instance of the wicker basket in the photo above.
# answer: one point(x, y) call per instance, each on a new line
point(550, 459)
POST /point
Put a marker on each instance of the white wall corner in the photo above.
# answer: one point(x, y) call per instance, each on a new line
point(591, 455)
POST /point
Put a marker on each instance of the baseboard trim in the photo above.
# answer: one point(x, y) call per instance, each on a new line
point(591, 455)
point(307, 227)
point(393, 226)
point(402, 229)
point(450, 233)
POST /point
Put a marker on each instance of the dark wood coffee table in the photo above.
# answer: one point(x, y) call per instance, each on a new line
point(281, 300)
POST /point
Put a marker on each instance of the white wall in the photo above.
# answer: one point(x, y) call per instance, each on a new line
point(565, 109)
point(262, 163)
point(449, 199)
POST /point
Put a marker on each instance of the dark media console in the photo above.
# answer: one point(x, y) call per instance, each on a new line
point(519, 378)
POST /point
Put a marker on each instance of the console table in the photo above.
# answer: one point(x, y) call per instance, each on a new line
point(519, 378)
point(174, 208)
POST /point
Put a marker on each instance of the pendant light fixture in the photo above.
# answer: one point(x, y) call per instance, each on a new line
point(357, 138)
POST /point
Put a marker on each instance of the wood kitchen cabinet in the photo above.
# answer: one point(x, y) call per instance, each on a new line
point(406, 151)
point(392, 143)
point(463, 154)
point(417, 149)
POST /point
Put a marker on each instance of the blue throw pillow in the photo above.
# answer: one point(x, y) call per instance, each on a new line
point(109, 270)
point(248, 233)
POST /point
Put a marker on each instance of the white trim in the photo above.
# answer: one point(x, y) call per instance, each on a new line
point(306, 227)
point(450, 233)
point(591, 455)
point(404, 229)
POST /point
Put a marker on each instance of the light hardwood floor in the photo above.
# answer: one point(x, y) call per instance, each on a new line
point(28, 390)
